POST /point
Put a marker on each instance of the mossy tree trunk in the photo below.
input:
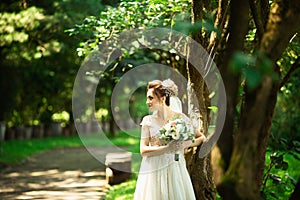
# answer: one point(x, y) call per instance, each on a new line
point(244, 175)
point(200, 169)
point(242, 144)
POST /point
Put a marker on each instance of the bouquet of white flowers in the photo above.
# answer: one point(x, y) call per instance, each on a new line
point(176, 129)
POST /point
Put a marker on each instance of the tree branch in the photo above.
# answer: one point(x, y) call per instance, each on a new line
point(282, 18)
point(197, 15)
point(238, 28)
point(260, 12)
point(220, 22)
point(295, 66)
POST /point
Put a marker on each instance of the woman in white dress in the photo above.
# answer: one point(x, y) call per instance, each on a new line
point(160, 176)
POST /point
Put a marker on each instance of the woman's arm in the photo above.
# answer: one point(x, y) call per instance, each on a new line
point(147, 150)
point(199, 138)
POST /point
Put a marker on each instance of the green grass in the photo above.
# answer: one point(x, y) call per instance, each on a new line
point(122, 191)
point(14, 151)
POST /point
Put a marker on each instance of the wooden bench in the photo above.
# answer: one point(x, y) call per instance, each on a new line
point(118, 167)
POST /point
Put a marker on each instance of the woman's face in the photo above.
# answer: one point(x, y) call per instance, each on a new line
point(153, 102)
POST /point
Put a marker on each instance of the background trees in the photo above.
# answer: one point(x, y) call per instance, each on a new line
point(39, 61)
point(256, 48)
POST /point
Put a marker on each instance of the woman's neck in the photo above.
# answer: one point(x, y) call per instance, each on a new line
point(165, 113)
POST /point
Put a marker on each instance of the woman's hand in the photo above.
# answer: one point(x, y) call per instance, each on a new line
point(172, 146)
point(178, 145)
point(198, 141)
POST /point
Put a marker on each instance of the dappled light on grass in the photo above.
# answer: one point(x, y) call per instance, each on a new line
point(53, 184)
point(62, 173)
point(65, 173)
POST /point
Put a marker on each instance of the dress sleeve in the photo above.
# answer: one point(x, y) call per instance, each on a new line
point(188, 122)
point(146, 121)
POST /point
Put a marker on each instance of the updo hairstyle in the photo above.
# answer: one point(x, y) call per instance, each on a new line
point(165, 88)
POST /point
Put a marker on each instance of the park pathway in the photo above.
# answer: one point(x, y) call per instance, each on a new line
point(59, 174)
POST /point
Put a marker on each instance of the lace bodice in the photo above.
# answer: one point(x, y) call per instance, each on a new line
point(154, 128)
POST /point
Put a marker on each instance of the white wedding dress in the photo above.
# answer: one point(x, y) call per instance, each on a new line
point(161, 177)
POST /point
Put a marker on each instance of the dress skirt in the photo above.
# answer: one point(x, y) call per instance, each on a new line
point(163, 178)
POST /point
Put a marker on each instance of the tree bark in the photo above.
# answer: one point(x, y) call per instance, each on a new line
point(244, 175)
point(280, 28)
point(241, 177)
point(200, 169)
point(221, 19)
point(260, 11)
point(238, 27)
point(244, 157)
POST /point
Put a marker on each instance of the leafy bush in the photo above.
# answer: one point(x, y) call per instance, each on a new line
point(281, 172)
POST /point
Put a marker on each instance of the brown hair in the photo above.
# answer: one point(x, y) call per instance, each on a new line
point(159, 91)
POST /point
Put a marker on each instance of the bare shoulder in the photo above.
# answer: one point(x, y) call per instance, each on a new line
point(146, 120)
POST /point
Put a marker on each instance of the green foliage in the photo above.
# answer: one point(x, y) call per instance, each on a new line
point(137, 107)
point(286, 118)
point(39, 58)
point(109, 24)
point(182, 23)
point(281, 172)
point(127, 16)
point(20, 30)
point(252, 67)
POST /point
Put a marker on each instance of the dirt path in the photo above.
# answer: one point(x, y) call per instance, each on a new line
point(60, 174)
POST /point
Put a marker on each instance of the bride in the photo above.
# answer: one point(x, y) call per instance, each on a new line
point(160, 176)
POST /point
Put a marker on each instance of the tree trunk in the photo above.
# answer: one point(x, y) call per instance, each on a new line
point(112, 127)
point(241, 177)
point(200, 169)
point(238, 27)
point(244, 175)
point(111, 122)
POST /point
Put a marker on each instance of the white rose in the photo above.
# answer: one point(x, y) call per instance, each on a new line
point(175, 135)
point(168, 126)
point(179, 128)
